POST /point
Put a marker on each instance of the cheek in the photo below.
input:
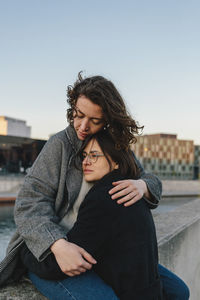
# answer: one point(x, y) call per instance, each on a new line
point(104, 169)
point(94, 129)
point(76, 123)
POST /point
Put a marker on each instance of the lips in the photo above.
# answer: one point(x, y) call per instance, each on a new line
point(87, 171)
point(83, 135)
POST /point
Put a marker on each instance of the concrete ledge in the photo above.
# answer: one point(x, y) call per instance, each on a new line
point(179, 244)
point(180, 188)
point(11, 183)
point(171, 223)
point(24, 290)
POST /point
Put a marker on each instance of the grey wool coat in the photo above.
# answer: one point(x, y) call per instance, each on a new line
point(49, 190)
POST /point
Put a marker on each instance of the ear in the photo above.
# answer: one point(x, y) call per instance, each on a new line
point(116, 166)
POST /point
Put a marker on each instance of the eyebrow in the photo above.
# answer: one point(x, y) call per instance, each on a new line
point(93, 151)
point(78, 110)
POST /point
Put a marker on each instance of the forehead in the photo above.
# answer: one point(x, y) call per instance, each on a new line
point(92, 146)
point(88, 108)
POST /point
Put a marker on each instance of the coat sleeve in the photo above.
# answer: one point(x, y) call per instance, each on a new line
point(34, 211)
point(92, 230)
point(153, 183)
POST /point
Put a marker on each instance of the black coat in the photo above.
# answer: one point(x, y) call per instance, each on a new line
point(121, 239)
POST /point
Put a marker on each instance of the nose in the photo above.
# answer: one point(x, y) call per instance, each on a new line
point(84, 125)
point(86, 161)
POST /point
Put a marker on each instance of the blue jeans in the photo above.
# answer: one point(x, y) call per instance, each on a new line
point(82, 287)
point(90, 286)
point(173, 287)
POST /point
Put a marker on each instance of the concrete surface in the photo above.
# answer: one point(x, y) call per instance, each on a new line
point(181, 187)
point(24, 290)
point(179, 243)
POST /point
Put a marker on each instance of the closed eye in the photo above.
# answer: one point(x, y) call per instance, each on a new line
point(97, 121)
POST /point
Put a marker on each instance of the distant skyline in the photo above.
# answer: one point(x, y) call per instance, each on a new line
point(149, 49)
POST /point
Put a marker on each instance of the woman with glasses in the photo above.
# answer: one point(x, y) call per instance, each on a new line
point(48, 202)
point(121, 239)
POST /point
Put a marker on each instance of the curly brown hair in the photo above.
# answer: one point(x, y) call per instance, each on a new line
point(101, 91)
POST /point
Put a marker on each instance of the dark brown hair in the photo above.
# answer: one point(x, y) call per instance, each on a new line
point(119, 123)
point(123, 157)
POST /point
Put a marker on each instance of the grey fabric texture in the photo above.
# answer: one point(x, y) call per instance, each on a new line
point(49, 191)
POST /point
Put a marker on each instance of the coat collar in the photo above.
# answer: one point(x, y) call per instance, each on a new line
point(72, 136)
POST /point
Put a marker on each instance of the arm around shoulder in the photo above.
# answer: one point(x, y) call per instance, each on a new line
point(153, 183)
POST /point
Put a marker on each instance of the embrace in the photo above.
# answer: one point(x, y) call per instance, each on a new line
point(83, 214)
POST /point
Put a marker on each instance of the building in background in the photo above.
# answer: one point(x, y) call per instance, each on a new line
point(17, 154)
point(14, 127)
point(166, 156)
point(197, 162)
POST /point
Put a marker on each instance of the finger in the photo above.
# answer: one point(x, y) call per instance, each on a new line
point(125, 181)
point(69, 274)
point(119, 187)
point(128, 197)
point(123, 192)
point(76, 273)
point(131, 202)
point(88, 257)
point(86, 265)
point(117, 182)
point(82, 270)
point(82, 264)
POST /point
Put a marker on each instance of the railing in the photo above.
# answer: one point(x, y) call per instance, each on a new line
point(11, 183)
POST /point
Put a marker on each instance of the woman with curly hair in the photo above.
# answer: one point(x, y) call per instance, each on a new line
point(48, 202)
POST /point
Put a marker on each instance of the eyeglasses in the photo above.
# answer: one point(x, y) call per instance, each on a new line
point(93, 157)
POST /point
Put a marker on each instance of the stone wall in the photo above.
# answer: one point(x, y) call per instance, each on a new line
point(179, 243)
point(21, 291)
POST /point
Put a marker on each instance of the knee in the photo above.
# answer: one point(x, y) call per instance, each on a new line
point(183, 293)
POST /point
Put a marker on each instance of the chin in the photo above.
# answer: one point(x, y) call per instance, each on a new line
point(81, 138)
point(90, 178)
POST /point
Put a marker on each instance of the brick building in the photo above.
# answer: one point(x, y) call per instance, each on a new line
point(166, 156)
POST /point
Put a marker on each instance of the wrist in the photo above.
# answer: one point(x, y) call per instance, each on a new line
point(58, 244)
point(143, 187)
point(146, 193)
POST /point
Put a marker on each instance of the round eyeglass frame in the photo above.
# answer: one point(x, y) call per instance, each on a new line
point(92, 157)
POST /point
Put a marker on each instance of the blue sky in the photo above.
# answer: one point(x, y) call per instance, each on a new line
point(149, 49)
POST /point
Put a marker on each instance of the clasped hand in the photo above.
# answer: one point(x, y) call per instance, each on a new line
point(72, 259)
point(129, 191)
